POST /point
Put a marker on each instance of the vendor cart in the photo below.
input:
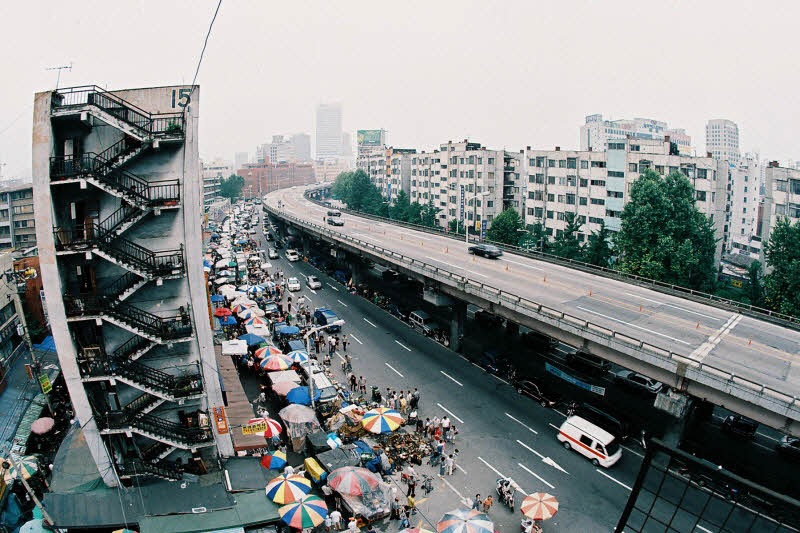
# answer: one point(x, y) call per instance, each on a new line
point(315, 470)
point(369, 507)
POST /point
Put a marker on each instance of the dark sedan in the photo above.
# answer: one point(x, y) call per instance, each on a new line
point(486, 250)
point(536, 391)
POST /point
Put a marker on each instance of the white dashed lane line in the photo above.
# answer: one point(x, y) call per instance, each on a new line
point(332, 287)
point(451, 378)
point(403, 345)
point(620, 483)
point(355, 339)
point(341, 302)
point(370, 323)
point(632, 325)
point(449, 413)
point(393, 369)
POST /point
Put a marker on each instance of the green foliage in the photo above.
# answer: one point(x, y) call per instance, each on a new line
point(782, 284)
point(359, 194)
point(504, 228)
point(566, 244)
point(414, 214)
point(754, 288)
point(400, 205)
point(598, 250)
point(231, 187)
point(454, 227)
point(535, 238)
point(429, 215)
point(664, 236)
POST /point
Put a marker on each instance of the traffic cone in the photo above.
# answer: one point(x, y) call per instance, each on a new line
point(506, 268)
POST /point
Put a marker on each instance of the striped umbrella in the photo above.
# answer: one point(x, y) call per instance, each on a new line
point(298, 356)
point(28, 466)
point(288, 489)
point(275, 362)
point(353, 481)
point(273, 426)
point(282, 388)
point(238, 308)
point(415, 530)
point(276, 459)
point(251, 312)
point(539, 506)
point(267, 351)
point(465, 521)
point(307, 512)
point(255, 321)
point(381, 420)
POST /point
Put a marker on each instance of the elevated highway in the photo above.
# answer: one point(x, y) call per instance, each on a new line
point(746, 364)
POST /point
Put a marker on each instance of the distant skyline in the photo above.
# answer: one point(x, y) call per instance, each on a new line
point(507, 76)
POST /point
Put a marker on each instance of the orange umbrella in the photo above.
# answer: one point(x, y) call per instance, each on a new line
point(539, 506)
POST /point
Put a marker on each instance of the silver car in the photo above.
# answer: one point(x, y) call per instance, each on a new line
point(638, 382)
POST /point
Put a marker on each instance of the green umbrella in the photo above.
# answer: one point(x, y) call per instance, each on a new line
point(28, 465)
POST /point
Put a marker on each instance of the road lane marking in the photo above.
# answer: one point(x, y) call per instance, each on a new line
point(403, 345)
point(545, 460)
point(303, 275)
point(523, 425)
point(673, 306)
point(614, 480)
point(340, 356)
point(355, 339)
point(534, 474)
point(633, 325)
point(394, 370)
point(767, 436)
point(464, 500)
point(523, 264)
point(370, 323)
point(341, 302)
point(701, 528)
point(449, 413)
point(459, 467)
point(633, 451)
point(496, 471)
point(554, 427)
point(702, 351)
point(451, 378)
point(312, 290)
point(501, 379)
point(332, 287)
point(456, 266)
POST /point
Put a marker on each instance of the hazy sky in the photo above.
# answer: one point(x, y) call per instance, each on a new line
point(506, 74)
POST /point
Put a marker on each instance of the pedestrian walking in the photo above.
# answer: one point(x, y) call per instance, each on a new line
point(403, 405)
point(353, 382)
point(487, 503)
point(477, 503)
point(362, 385)
point(344, 343)
point(336, 519)
point(449, 463)
point(348, 362)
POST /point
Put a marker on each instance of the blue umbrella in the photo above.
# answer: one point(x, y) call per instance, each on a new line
point(241, 241)
point(226, 273)
point(208, 263)
point(290, 330)
point(252, 340)
point(301, 395)
point(228, 320)
point(217, 298)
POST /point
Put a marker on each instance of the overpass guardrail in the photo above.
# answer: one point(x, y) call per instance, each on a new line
point(776, 401)
point(719, 302)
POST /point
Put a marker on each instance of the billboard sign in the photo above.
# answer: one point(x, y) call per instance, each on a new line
point(483, 230)
point(369, 137)
point(461, 215)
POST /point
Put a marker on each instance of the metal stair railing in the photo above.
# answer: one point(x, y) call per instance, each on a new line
point(172, 430)
point(162, 469)
point(125, 146)
point(154, 450)
point(139, 404)
point(117, 288)
point(130, 347)
point(118, 218)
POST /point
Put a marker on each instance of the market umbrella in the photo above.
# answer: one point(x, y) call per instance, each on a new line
point(227, 320)
point(465, 521)
point(239, 307)
point(252, 340)
point(297, 414)
point(353, 480)
point(222, 311)
point(222, 263)
point(255, 289)
point(307, 512)
point(28, 466)
point(220, 281)
point(275, 362)
point(35, 526)
point(255, 321)
point(282, 388)
point(415, 530)
point(207, 263)
point(276, 460)
point(298, 356)
point(251, 312)
point(301, 395)
point(381, 420)
point(539, 506)
point(267, 351)
point(42, 425)
point(227, 288)
point(217, 298)
point(273, 426)
point(288, 489)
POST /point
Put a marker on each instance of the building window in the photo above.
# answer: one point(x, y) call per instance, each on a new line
point(582, 200)
point(598, 183)
point(598, 201)
point(570, 199)
point(598, 164)
point(21, 209)
point(702, 173)
point(538, 212)
point(551, 163)
point(584, 182)
point(615, 174)
point(782, 186)
point(490, 160)
point(614, 194)
point(551, 180)
point(7, 312)
point(551, 197)
point(632, 167)
point(562, 163)
point(584, 164)
point(572, 163)
point(550, 214)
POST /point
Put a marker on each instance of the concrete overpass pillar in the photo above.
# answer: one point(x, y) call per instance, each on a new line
point(457, 322)
point(357, 269)
point(306, 243)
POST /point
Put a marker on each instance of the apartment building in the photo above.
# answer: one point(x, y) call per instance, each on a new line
point(743, 205)
point(214, 172)
point(261, 178)
point(722, 140)
point(388, 168)
point(781, 199)
point(17, 218)
point(596, 133)
point(118, 193)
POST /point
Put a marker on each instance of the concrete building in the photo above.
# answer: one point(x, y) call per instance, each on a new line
point(596, 133)
point(118, 193)
point(214, 172)
point(17, 218)
point(329, 131)
point(722, 140)
point(596, 185)
point(240, 159)
point(328, 169)
point(261, 178)
point(347, 147)
point(781, 199)
point(367, 140)
point(301, 143)
point(744, 202)
point(12, 318)
point(389, 169)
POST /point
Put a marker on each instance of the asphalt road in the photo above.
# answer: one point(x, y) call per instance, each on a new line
point(753, 349)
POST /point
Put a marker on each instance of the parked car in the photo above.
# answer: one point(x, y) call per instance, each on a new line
point(313, 282)
point(740, 426)
point(273, 253)
point(335, 221)
point(607, 419)
point(390, 275)
point(486, 250)
point(422, 321)
point(334, 213)
point(588, 363)
point(789, 447)
point(324, 316)
point(292, 255)
point(293, 284)
point(638, 382)
point(537, 391)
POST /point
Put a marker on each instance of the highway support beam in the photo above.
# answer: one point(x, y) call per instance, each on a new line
point(457, 322)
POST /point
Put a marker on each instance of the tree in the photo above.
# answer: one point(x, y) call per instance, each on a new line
point(231, 187)
point(782, 284)
point(754, 289)
point(429, 215)
point(505, 228)
point(414, 214)
point(535, 238)
point(399, 208)
point(455, 227)
point(566, 244)
point(664, 236)
point(598, 250)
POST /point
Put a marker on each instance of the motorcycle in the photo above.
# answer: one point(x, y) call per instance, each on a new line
point(506, 487)
point(528, 525)
point(572, 408)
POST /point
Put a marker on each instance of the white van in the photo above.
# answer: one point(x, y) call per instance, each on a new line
point(595, 443)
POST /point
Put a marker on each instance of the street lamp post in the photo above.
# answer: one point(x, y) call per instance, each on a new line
point(307, 339)
point(475, 213)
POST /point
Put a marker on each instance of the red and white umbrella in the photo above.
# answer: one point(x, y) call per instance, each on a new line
point(353, 481)
point(273, 427)
point(267, 351)
point(539, 506)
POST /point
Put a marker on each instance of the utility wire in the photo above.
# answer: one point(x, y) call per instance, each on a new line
point(205, 43)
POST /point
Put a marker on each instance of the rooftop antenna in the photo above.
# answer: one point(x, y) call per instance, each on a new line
point(59, 69)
